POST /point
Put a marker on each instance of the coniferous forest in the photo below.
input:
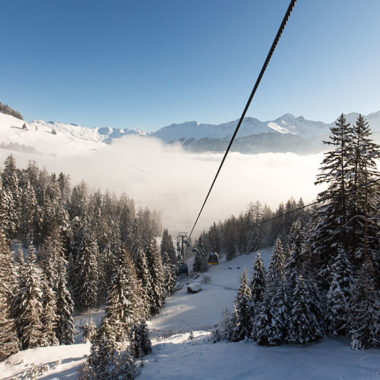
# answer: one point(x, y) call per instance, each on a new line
point(324, 274)
point(64, 250)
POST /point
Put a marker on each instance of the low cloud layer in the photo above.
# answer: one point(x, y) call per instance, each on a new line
point(175, 182)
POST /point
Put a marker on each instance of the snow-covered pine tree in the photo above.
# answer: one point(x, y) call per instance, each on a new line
point(257, 286)
point(243, 326)
point(86, 272)
point(275, 272)
point(29, 307)
point(169, 275)
point(106, 268)
point(9, 343)
point(270, 324)
point(304, 325)
point(222, 328)
point(89, 331)
point(339, 295)
point(364, 191)
point(140, 343)
point(230, 333)
point(124, 305)
point(127, 224)
point(27, 214)
point(157, 275)
point(49, 316)
point(365, 308)
point(295, 261)
point(78, 201)
point(107, 360)
point(201, 257)
point(11, 186)
point(167, 246)
point(51, 253)
point(65, 306)
point(8, 215)
point(331, 215)
point(144, 276)
point(54, 212)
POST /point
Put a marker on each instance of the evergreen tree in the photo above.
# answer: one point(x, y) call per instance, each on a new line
point(127, 224)
point(363, 192)
point(124, 307)
point(276, 267)
point(295, 261)
point(365, 308)
point(8, 217)
point(9, 343)
point(270, 323)
point(144, 276)
point(51, 255)
point(64, 310)
point(139, 338)
point(86, 272)
point(201, 258)
point(167, 246)
point(28, 209)
point(331, 228)
point(30, 309)
point(257, 286)
point(11, 185)
point(107, 360)
point(231, 332)
point(304, 323)
point(222, 330)
point(49, 317)
point(89, 331)
point(170, 278)
point(243, 327)
point(339, 295)
point(157, 276)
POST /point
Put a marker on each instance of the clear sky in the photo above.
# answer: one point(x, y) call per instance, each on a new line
point(148, 63)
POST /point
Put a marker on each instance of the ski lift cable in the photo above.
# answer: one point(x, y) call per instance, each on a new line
point(257, 83)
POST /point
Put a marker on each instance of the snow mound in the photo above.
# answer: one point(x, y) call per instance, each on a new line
point(57, 362)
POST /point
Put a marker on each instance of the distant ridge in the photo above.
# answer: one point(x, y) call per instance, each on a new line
point(287, 133)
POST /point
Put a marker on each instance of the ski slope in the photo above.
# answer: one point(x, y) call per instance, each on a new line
point(175, 356)
point(203, 310)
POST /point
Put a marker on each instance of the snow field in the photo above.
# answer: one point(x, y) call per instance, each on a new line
point(56, 362)
point(177, 357)
point(201, 311)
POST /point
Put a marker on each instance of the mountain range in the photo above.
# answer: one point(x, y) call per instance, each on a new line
point(287, 133)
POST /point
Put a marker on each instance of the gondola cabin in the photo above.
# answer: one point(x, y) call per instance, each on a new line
point(183, 270)
point(213, 259)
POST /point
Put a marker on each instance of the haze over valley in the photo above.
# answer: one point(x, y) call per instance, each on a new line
point(167, 176)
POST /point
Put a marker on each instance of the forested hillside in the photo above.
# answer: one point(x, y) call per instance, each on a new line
point(76, 250)
point(323, 278)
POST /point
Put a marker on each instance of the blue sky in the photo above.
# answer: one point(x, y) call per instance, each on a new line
point(148, 63)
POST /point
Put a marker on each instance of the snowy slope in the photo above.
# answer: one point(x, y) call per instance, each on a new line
point(177, 357)
point(203, 310)
point(50, 139)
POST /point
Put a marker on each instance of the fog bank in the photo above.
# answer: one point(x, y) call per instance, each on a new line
point(175, 182)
